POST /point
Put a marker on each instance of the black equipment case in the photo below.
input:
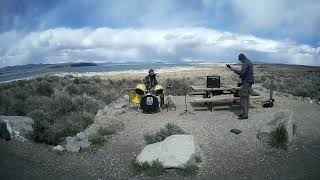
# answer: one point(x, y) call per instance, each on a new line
point(213, 81)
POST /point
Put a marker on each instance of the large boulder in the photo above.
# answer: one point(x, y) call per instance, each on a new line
point(17, 126)
point(176, 151)
point(279, 121)
point(80, 141)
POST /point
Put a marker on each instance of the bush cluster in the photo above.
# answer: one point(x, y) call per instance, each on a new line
point(59, 106)
point(303, 81)
point(179, 87)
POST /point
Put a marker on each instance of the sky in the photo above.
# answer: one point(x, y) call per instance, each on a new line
point(57, 31)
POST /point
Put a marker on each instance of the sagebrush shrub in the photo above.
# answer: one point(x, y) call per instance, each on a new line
point(44, 88)
point(162, 134)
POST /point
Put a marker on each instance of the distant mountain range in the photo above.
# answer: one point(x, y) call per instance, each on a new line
point(31, 67)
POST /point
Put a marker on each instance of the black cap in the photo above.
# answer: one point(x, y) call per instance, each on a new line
point(151, 70)
point(242, 57)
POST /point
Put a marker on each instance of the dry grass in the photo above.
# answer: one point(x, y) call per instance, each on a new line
point(162, 134)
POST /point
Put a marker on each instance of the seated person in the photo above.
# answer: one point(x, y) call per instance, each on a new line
point(151, 81)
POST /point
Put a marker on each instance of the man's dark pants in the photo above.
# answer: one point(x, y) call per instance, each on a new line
point(244, 98)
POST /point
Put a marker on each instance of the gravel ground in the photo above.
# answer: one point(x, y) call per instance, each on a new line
point(224, 155)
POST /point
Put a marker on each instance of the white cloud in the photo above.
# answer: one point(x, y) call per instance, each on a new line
point(289, 18)
point(175, 44)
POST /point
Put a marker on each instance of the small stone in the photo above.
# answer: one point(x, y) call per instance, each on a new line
point(126, 97)
point(72, 145)
point(58, 148)
point(120, 105)
point(81, 136)
point(80, 141)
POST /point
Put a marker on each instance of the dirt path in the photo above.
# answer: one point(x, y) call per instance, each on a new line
point(224, 155)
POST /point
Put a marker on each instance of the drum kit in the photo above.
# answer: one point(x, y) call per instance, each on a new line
point(148, 99)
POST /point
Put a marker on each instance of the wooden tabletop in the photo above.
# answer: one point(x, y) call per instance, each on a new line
point(224, 88)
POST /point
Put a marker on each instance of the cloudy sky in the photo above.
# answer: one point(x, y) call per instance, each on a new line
point(52, 31)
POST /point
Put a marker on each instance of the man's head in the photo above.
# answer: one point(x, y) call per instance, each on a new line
point(242, 57)
point(151, 72)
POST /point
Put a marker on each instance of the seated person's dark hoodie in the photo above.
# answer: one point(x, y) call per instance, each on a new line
point(150, 81)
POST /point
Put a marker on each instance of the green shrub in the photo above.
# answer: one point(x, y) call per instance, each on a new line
point(35, 102)
point(4, 133)
point(74, 122)
point(41, 115)
point(97, 139)
point(190, 170)
point(112, 129)
point(41, 127)
point(254, 93)
point(74, 89)
point(180, 86)
point(86, 103)
point(280, 137)
point(170, 129)
point(44, 88)
point(154, 168)
point(61, 103)
point(298, 82)
point(294, 128)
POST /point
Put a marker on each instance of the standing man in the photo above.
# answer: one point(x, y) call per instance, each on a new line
point(246, 75)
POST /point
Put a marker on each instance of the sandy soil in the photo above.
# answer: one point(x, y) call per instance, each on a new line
point(224, 155)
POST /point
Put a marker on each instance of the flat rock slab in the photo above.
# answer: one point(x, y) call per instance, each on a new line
point(176, 151)
point(18, 126)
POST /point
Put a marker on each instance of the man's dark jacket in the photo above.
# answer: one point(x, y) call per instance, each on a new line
point(246, 73)
point(150, 81)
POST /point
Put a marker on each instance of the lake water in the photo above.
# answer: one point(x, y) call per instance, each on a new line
point(104, 70)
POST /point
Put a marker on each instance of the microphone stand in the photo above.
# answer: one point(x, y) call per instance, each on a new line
point(186, 111)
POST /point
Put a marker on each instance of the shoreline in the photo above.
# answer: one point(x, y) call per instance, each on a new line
point(179, 71)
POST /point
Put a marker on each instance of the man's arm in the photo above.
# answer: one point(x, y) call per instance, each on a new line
point(155, 81)
point(242, 71)
point(146, 82)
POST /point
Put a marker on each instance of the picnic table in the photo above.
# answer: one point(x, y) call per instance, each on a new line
point(208, 92)
point(213, 96)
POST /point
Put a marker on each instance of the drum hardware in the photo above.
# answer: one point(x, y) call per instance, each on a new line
point(169, 103)
point(269, 103)
point(186, 111)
